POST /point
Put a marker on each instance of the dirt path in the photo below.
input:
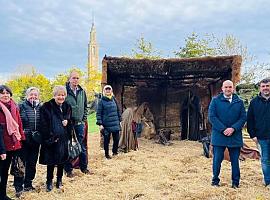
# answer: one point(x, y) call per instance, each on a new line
point(154, 172)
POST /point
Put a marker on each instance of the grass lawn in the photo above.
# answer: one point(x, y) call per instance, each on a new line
point(92, 127)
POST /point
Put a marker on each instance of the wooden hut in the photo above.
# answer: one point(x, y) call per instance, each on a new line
point(166, 83)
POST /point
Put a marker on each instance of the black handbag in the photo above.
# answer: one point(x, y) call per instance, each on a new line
point(74, 147)
point(17, 166)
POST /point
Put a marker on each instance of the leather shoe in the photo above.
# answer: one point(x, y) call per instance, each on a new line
point(49, 186)
point(234, 186)
point(70, 174)
point(108, 157)
point(59, 184)
point(215, 184)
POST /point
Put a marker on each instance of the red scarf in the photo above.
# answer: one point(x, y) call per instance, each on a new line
point(11, 119)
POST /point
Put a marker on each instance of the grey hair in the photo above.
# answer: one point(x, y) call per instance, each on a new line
point(58, 88)
point(27, 92)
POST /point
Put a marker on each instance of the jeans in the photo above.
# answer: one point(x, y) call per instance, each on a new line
point(265, 159)
point(30, 155)
point(79, 130)
point(107, 136)
point(218, 155)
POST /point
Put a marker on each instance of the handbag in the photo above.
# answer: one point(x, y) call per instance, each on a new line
point(74, 147)
point(17, 166)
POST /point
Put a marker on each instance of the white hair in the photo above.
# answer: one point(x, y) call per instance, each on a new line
point(59, 88)
point(27, 92)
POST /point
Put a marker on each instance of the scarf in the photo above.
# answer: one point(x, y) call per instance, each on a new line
point(109, 96)
point(12, 125)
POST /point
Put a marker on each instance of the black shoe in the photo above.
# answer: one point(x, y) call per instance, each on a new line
point(70, 174)
point(59, 184)
point(18, 191)
point(235, 186)
point(49, 186)
point(215, 184)
point(108, 157)
point(87, 171)
point(115, 154)
point(28, 188)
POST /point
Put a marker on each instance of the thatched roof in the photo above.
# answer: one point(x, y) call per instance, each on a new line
point(186, 71)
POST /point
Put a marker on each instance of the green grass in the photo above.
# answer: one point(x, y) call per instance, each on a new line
point(92, 127)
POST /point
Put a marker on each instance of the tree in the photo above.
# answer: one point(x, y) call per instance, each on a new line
point(20, 83)
point(144, 49)
point(93, 83)
point(195, 47)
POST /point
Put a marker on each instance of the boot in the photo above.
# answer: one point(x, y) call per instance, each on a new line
point(49, 185)
point(59, 183)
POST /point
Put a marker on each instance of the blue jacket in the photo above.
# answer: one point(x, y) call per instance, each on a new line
point(222, 114)
point(108, 114)
point(258, 118)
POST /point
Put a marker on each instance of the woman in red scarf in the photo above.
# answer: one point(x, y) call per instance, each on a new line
point(11, 133)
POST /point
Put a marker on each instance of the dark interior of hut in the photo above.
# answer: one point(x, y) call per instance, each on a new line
point(178, 91)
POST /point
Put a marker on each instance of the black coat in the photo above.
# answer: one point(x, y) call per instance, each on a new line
point(108, 114)
point(30, 116)
point(258, 118)
point(54, 147)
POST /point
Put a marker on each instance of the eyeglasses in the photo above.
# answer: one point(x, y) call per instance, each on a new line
point(107, 88)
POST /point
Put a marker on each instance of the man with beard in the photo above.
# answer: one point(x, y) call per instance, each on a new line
point(258, 125)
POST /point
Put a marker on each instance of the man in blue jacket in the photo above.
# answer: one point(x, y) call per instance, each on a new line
point(227, 115)
point(258, 125)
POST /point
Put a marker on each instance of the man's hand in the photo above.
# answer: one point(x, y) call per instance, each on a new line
point(228, 131)
point(3, 156)
point(65, 122)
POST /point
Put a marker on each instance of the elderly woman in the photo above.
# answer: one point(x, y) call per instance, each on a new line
point(56, 131)
point(108, 119)
point(11, 133)
point(30, 115)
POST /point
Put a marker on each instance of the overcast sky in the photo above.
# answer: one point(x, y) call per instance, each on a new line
point(53, 35)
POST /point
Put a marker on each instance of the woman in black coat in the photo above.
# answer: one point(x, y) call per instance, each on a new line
point(108, 119)
point(56, 130)
point(30, 115)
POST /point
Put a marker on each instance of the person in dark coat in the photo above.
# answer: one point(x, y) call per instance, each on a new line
point(11, 136)
point(108, 119)
point(227, 115)
point(258, 125)
point(30, 115)
point(55, 128)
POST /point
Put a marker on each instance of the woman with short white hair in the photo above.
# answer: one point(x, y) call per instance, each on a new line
point(30, 115)
point(56, 129)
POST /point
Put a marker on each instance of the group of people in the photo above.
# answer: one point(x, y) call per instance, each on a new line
point(33, 131)
point(228, 116)
point(54, 121)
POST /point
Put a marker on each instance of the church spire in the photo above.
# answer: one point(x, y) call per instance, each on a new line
point(92, 50)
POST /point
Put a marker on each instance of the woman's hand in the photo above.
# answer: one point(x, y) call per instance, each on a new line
point(65, 122)
point(101, 127)
point(3, 156)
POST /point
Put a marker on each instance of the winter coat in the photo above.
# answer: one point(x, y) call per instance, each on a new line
point(78, 104)
point(30, 116)
point(258, 118)
point(222, 114)
point(108, 114)
point(54, 146)
point(10, 143)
